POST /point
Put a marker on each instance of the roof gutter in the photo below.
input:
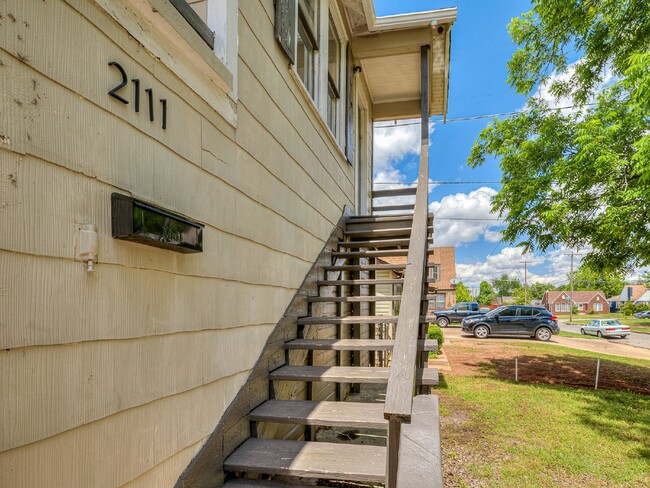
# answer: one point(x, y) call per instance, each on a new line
point(407, 21)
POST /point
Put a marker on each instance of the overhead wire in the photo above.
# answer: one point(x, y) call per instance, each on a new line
point(478, 117)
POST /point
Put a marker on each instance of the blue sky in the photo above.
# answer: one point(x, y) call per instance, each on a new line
point(481, 47)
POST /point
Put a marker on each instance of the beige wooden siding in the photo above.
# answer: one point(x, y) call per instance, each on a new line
point(384, 308)
point(132, 365)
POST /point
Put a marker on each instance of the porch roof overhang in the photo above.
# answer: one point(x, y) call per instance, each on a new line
point(387, 49)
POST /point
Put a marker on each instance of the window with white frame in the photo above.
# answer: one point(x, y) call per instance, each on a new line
point(312, 35)
point(557, 307)
point(219, 19)
point(434, 272)
point(333, 76)
point(440, 300)
point(307, 44)
point(598, 307)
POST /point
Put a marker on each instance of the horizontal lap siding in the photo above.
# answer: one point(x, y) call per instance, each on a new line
point(133, 364)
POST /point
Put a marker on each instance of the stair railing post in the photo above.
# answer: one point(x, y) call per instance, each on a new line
point(402, 375)
point(392, 452)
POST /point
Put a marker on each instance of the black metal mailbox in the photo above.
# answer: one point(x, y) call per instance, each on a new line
point(136, 221)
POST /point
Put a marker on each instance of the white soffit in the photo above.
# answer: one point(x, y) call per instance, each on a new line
point(388, 51)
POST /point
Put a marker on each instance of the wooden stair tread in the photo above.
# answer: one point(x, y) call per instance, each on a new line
point(375, 243)
point(363, 299)
point(395, 192)
point(360, 281)
point(373, 218)
point(390, 232)
point(347, 374)
point(334, 414)
point(383, 253)
point(354, 344)
point(378, 243)
point(358, 319)
point(391, 208)
point(393, 232)
point(246, 483)
point(326, 460)
point(368, 267)
point(379, 281)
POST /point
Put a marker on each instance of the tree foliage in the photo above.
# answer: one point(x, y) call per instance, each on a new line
point(580, 178)
point(610, 283)
point(462, 293)
point(486, 294)
point(504, 285)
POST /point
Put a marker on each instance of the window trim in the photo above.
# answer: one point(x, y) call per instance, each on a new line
point(181, 50)
point(196, 22)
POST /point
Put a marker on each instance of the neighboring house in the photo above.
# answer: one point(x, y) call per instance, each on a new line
point(442, 274)
point(631, 293)
point(233, 139)
point(643, 299)
point(614, 303)
point(559, 302)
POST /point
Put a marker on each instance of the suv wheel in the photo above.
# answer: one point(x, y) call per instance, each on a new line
point(481, 332)
point(582, 331)
point(442, 322)
point(543, 334)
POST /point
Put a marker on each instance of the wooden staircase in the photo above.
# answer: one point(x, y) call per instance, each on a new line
point(344, 308)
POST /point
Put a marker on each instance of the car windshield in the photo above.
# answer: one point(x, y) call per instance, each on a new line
point(494, 312)
point(610, 322)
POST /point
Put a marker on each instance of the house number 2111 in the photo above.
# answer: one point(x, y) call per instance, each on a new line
point(136, 85)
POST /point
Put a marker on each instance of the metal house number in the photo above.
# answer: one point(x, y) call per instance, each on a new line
point(136, 86)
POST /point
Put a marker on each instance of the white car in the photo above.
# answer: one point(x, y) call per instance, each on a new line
point(605, 328)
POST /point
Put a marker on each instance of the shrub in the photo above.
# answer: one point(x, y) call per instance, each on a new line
point(435, 332)
point(628, 308)
point(591, 312)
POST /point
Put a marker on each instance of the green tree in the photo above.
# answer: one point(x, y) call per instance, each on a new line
point(611, 283)
point(628, 308)
point(519, 296)
point(504, 285)
point(462, 293)
point(536, 290)
point(579, 178)
point(486, 294)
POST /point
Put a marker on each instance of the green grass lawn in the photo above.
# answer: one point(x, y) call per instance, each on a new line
point(573, 334)
point(501, 433)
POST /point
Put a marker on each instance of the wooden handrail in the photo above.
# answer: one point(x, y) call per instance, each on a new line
point(401, 379)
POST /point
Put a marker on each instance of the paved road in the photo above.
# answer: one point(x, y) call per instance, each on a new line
point(614, 347)
point(634, 339)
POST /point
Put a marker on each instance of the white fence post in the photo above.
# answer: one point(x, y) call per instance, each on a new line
point(597, 373)
point(516, 370)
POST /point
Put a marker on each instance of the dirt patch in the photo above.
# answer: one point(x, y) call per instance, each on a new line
point(495, 360)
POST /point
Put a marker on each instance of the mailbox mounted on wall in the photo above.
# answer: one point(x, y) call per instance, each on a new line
point(137, 221)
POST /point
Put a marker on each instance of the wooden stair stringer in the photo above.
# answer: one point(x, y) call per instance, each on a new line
point(233, 428)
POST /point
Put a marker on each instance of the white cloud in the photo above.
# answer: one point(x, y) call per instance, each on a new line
point(450, 228)
point(392, 143)
point(509, 261)
point(543, 90)
point(555, 269)
point(492, 235)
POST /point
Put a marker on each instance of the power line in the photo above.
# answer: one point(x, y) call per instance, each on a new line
point(469, 218)
point(478, 117)
point(440, 183)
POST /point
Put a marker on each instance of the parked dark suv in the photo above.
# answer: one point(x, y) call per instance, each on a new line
point(513, 320)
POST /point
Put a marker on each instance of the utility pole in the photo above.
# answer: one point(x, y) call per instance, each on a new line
point(525, 263)
point(571, 280)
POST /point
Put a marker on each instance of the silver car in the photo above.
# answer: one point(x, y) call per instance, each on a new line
point(605, 328)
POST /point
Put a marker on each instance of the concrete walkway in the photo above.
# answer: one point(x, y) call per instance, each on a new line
point(454, 335)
